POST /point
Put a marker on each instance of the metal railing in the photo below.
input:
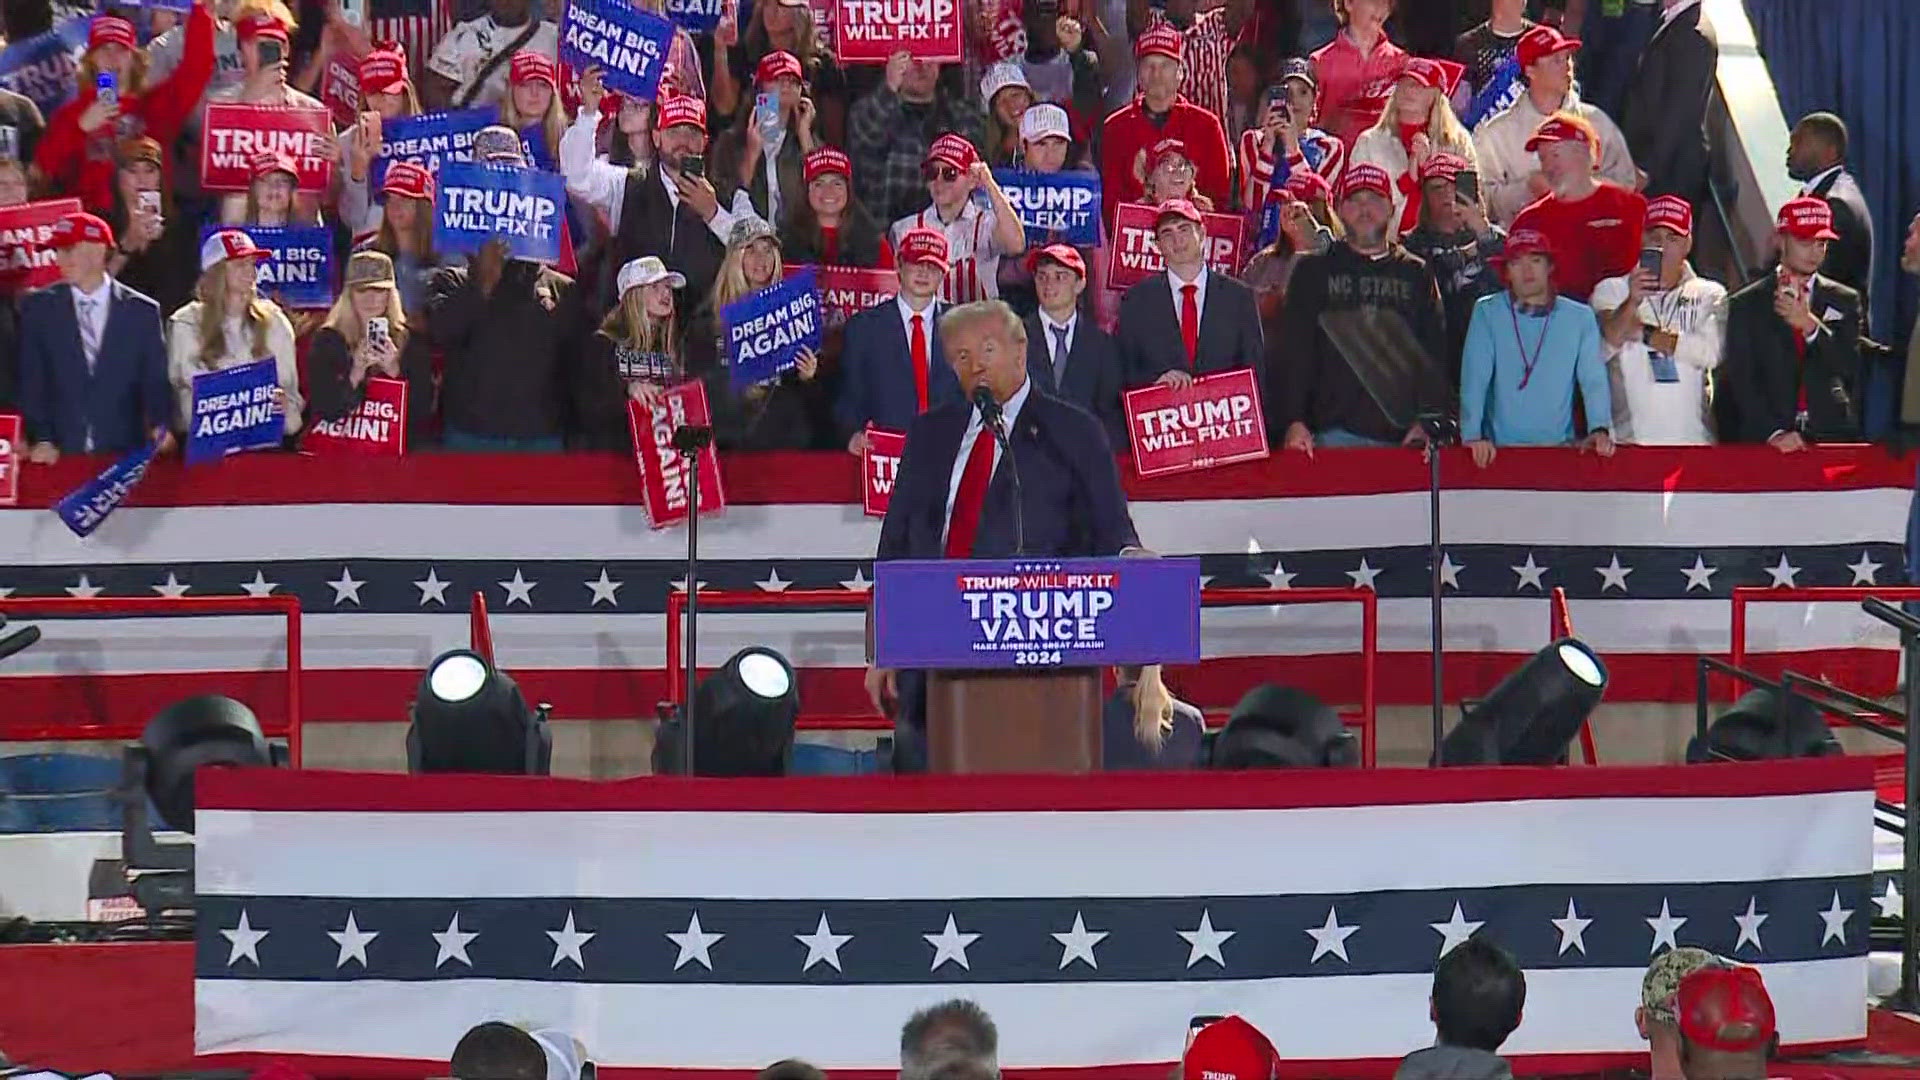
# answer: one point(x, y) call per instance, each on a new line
point(1560, 625)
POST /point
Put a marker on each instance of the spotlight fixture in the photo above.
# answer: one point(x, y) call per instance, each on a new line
point(471, 718)
point(1279, 727)
point(1534, 713)
point(1765, 724)
point(743, 719)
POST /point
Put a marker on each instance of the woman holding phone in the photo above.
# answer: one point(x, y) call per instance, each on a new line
point(365, 336)
point(782, 118)
point(386, 94)
point(154, 254)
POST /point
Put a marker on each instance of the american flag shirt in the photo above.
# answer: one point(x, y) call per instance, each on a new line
point(416, 25)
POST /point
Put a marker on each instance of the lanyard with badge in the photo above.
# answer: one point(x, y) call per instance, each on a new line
point(1527, 362)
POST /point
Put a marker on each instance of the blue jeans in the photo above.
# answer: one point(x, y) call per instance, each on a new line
point(1338, 437)
point(468, 443)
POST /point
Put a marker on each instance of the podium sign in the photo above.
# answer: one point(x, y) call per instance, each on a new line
point(1007, 613)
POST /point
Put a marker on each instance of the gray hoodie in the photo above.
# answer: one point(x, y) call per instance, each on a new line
point(1453, 1063)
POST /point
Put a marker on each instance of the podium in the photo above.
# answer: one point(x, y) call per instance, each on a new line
point(1014, 650)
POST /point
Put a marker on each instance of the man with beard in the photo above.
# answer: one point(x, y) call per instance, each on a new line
point(1817, 157)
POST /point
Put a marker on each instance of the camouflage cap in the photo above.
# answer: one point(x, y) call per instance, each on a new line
point(1662, 981)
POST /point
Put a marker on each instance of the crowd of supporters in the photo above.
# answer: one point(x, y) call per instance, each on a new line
point(1382, 212)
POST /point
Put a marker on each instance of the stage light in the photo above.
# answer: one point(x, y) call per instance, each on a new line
point(1279, 727)
point(208, 730)
point(1760, 726)
point(743, 719)
point(1532, 716)
point(471, 718)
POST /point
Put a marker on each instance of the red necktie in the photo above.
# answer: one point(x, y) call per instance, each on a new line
point(972, 496)
point(920, 362)
point(1190, 321)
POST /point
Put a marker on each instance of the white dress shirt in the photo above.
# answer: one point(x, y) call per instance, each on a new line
point(906, 322)
point(92, 307)
point(977, 429)
point(1177, 285)
point(603, 185)
point(1053, 342)
point(1817, 178)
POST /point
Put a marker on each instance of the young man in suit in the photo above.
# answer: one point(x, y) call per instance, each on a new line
point(1187, 320)
point(953, 499)
point(889, 370)
point(1817, 157)
point(1068, 356)
point(1665, 115)
point(1793, 344)
point(93, 359)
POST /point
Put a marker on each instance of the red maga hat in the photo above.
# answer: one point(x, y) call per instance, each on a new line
point(1308, 186)
point(826, 160)
point(1180, 208)
point(261, 25)
point(1541, 42)
point(1365, 176)
point(268, 162)
point(1670, 212)
point(1521, 242)
point(1064, 254)
point(776, 65)
point(1725, 1009)
point(1444, 166)
point(683, 109)
point(74, 229)
point(1441, 75)
point(926, 246)
point(1558, 128)
point(111, 30)
point(529, 66)
point(384, 71)
point(1161, 40)
point(229, 244)
point(1807, 218)
point(1229, 1049)
point(408, 180)
point(952, 149)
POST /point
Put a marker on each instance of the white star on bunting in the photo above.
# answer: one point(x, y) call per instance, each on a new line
point(1204, 941)
point(432, 589)
point(567, 942)
point(519, 589)
point(1572, 929)
point(1750, 926)
point(604, 588)
point(773, 582)
point(1449, 570)
point(1330, 937)
point(859, 582)
point(823, 945)
point(1783, 573)
point(85, 590)
point(1834, 921)
point(346, 589)
point(352, 941)
point(453, 943)
point(5, 591)
point(950, 944)
point(259, 586)
point(172, 588)
point(680, 584)
point(1278, 577)
point(1866, 571)
point(1891, 904)
point(1456, 930)
point(1078, 943)
point(243, 941)
point(1363, 577)
point(1665, 926)
point(1613, 575)
point(1700, 575)
point(1529, 573)
point(695, 944)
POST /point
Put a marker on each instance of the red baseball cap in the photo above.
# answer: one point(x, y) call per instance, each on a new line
point(924, 246)
point(1560, 128)
point(1725, 1009)
point(384, 71)
point(1807, 218)
point(267, 162)
point(1064, 254)
point(111, 30)
point(1365, 176)
point(1526, 242)
point(1444, 166)
point(229, 244)
point(1164, 148)
point(1670, 212)
point(825, 160)
point(74, 229)
point(1160, 40)
point(261, 25)
point(778, 64)
point(1180, 208)
point(1441, 75)
point(529, 66)
point(1229, 1049)
point(1541, 42)
point(1307, 186)
point(683, 109)
point(952, 149)
point(408, 180)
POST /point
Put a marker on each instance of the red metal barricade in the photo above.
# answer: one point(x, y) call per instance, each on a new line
point(1750, 594)
point(33, 729)
point(1559, 625)
point(479, 629)
point(842, 599)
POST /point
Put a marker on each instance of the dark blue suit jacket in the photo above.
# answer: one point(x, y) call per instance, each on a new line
point(124, 398)
point(876, 373)
point(1092, 379)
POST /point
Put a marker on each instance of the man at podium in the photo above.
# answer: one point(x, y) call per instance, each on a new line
point(957, 497)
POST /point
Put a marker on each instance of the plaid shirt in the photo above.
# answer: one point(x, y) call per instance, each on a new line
point(887, 147)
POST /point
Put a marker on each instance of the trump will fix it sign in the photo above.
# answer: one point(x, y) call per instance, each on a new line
point(880, 466)
point(1214, 422)
point(1134, 256)
point(870, 31)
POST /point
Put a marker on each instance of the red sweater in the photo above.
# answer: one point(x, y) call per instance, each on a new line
point(1593, 239)
point(1128, 131)
point(81, 164)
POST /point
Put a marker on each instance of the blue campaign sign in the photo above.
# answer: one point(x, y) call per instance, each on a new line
point(1502, 90)
point(1054, 207)
point(627, 44)
point(300, 273)
point(45, 66)
point(477, 203)
point(533, 140)
point(234, 410)
point(698, 16)
point(430, 139)
point(85, 507)
point(1026, 613)
point(767, 329)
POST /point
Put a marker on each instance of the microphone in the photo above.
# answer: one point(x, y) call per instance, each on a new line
point(995, 421)
point(989, 412)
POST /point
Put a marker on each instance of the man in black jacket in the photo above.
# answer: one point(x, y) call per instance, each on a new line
point(1322, 401)
point(1068, 356)
point(666, 211)
point(1665, 116)
point(1186, 320)
point(1793, 344)
point(1817, 157)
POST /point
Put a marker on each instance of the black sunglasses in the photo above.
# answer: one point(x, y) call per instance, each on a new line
point(940, 172)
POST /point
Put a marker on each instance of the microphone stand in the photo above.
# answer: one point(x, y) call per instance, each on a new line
point(689, 440)
point(995, 421)
point(1441, 430)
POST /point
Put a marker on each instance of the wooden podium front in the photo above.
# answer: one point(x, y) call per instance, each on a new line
point(1014, 721)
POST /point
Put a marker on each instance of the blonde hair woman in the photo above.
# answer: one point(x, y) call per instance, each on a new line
point(366, 335)
point(230, 324)
point(771, 415)
point(1416, 124)
point(533, 100)
point(634, 354)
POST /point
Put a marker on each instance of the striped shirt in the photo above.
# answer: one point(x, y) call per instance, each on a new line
point(973, 256)
point(1207, 48)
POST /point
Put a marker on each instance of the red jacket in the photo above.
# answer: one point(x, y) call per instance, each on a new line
point(1128, 131)
point(76, 163)
point(1354, 87)
point(1593, 239)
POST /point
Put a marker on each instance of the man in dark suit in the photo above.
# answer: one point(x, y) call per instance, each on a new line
point(952, 499)
point(666, 212)
point(1665, 116)
point(890, 370)
point(1792, 356)
point(1817, 157)
point(1187, 320)
point(93, 361)
point(1068, 356)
